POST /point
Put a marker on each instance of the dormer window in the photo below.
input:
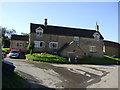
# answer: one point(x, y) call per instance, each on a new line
point(96, 36)
point(39, 31)
point(76, 38)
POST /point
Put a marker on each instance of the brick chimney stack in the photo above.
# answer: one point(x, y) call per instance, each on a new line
point(97, 27)
point(45, 23)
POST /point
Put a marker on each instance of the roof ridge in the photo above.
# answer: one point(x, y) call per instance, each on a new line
point(66, 27)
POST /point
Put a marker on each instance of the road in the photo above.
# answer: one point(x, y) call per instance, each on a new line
point(41, 74)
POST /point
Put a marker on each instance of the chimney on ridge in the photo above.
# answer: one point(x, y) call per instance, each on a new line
point(45, 23)
point(97, 27)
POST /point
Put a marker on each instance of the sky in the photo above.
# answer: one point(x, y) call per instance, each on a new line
point(19, 15)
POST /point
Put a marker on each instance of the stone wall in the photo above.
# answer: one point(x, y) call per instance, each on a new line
point(112, 51)
point(81, 47)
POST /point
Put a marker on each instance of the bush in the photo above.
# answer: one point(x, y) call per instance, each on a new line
point(30, 48)
point(5, 49)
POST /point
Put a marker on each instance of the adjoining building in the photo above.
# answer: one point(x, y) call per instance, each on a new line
point(112, 48)
point(19, 42)
point(66, 41)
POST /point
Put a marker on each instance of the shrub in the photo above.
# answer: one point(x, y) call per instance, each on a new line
point(30, 48)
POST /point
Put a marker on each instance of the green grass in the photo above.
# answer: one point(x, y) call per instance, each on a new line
point(110, 57)
point(90, 60)
point(46, 57)
point(5, 49)
point(14, 81)
point(86, 60)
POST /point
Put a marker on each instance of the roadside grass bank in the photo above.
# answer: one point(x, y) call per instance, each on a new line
point(99, 61)
point(45, 57)
point(113, 58)
point(14, 81)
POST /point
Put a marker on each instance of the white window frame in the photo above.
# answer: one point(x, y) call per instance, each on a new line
point(92, 48)
point(51, 46)
point(96, 36)
point(104, 48)
point(39, 31)
point(76, 38)
point(43, 44)
point(19, 44)
point(37, 44)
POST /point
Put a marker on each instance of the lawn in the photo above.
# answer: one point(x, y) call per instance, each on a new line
point(106, 60)
point(110, 57)
point(87, 60)
point(5, 49)
point(14, 81)
point(47, 58)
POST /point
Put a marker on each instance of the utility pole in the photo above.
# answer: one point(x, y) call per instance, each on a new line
point(0, 58)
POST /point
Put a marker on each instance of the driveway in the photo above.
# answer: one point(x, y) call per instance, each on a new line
point(41, 74)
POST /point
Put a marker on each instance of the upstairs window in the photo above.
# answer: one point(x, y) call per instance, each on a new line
point(92, 48)
point(39, 31)
point(76, 38)
point(53, 45)
point(96, 36)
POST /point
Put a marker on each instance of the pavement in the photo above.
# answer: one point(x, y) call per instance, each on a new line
point(47, 75)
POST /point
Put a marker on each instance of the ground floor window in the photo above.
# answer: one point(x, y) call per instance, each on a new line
point(39, 44)
point(92, 48)
point(19, 44)
point(53, 45)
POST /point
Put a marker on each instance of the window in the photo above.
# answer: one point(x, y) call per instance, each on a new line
point(42, 44)
point(19, 44)
point(36, 44)
point(39, 44)
point(76, 38)
point(96, 36)
point(53, 45)
point(39, 31)
point(92, 48)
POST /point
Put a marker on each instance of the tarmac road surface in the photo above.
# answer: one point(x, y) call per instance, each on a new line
point(47, 75)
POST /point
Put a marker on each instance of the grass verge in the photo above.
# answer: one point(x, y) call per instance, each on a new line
point(47, 58)
point(110, 57)
point(103, 61)
point(14, 81)
point(107, 60)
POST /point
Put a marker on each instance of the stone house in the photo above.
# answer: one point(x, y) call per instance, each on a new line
point(111, 48)
point(19, 42)
point(66, 41)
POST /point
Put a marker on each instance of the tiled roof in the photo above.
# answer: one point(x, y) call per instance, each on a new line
point(67, 31)
point(111, 44)
point(20, 37)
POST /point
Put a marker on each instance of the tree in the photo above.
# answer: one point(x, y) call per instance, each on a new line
point(30, 47)
point(6, 34)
